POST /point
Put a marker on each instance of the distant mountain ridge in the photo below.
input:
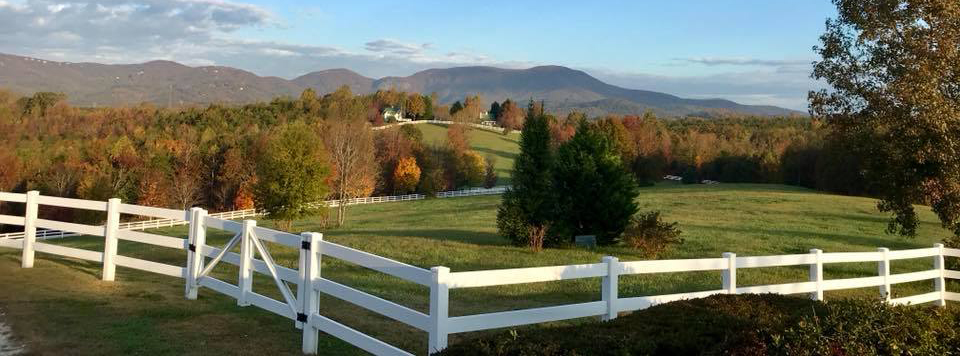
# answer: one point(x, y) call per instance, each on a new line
point(168, 83)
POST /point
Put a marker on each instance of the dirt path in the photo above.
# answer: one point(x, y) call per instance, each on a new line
point(8, 346)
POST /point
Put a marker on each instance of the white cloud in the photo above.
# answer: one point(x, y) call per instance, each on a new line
point(716, 61)
point(396, 47)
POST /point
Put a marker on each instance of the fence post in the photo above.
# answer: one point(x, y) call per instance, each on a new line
point(610, 288)
point(110, 231)
point(307, 295)
point(938, 283)
point(195, 257)
point(29, 229)
point(816, 274)
point(730, 274)
point(883, 270)
point(439, 309)
point(246, 261)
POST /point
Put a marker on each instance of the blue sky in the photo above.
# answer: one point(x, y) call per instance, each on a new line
point(755, 52)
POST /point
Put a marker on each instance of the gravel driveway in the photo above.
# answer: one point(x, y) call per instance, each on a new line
point(8, 346)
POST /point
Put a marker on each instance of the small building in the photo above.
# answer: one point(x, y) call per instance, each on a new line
point(393, 115)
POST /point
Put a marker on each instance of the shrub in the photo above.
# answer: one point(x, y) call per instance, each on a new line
point(720, 324)
point(490, 172)
point(431, 182)
point(690, 176)
point(748, 324)
point(412, 132)
point(858, 327)
point(649, 169)
point(648, 233)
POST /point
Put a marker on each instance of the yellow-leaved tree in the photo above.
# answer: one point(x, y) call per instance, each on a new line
point(406, 175)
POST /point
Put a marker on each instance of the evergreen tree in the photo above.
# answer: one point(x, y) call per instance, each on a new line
point(428, 108)
point(495, 111)
point(457, 106)
point(526, 211)
point(599, 193)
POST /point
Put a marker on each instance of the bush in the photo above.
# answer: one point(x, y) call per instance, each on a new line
point(690, 176)
point(857, 327)
point(721, 324)
point(749, 324)
point(648, 233)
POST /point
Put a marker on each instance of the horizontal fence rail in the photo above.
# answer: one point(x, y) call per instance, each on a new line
point(300, 305)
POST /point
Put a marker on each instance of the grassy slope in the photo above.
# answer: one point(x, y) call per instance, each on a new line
point(502, 147)
point(458, 233)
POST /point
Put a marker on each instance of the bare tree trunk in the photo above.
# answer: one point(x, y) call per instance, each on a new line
point(537, 234)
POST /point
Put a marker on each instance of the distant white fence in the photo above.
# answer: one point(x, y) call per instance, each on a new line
point(136, 225)
point(240, 214)
point(302, 306)
point(475, 125)
point(471, 192)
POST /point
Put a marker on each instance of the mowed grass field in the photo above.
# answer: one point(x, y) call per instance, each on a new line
point(60, 306)
point(503, 148)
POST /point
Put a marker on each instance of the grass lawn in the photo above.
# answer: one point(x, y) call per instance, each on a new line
point(503, 148)
point(146, 313)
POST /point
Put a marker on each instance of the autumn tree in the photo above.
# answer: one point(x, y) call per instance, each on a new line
point(186, 179)
point(511, 116)
point(471, 169)
point(458, 138)
point(293, 174)
point(406, 175)
point(415, 106)
point(349, 140)
point(894, 91)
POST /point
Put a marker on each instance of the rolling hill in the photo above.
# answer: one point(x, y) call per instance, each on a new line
point(168, 83)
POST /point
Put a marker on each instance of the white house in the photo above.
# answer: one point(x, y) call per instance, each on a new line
point(393, 115)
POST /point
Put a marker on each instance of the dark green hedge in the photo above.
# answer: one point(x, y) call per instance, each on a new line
point(740, 325)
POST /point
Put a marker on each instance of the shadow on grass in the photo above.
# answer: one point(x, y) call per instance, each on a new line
point(465, 236)
point(498, 153)
point(852, 240)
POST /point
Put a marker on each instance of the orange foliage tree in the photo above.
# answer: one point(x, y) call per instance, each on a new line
point(406, 175)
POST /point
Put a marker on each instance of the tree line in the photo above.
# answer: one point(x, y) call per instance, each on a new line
point(215, 156)
point(231, 157)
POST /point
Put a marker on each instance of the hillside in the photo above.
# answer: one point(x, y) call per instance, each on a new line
point(168, 83)
point(502, 148)
point(563, 89)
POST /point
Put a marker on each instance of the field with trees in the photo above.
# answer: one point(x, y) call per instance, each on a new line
point(460, 233)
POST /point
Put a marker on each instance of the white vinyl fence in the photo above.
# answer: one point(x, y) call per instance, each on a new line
point(416, 122)
point(301, 305)
point(135, 225)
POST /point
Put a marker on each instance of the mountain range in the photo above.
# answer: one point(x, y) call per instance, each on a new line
point(166, 83)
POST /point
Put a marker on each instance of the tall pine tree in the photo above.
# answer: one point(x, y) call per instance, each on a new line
point(525, 214)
